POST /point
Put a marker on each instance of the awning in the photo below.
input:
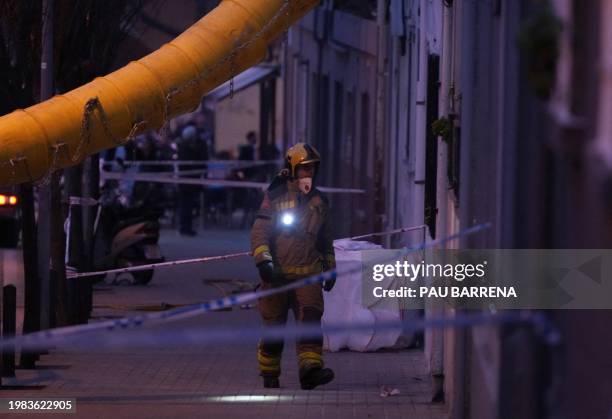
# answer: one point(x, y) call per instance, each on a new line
point(247, 78)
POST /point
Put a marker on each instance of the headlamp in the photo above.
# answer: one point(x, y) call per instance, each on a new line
point(287, 219)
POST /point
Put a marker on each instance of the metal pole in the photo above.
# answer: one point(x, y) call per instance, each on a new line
point(2, 302)
point(74, 248)
point(444, 109)
point(9, 325)
point(467, 50)
point(32, 267)
point(91, 181)
point(44, 193)
point(381, 118)
point(57, 279)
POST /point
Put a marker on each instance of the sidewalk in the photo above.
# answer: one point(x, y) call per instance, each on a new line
point(216, 379)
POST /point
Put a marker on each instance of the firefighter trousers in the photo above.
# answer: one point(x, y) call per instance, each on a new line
point(307, 306)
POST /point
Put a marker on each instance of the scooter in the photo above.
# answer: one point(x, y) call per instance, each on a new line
point(126, 235)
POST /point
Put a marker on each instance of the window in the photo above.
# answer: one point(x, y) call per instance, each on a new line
point(431, 143)
point(365, 138)
point(363, 8)
point(349, 131)
point(336, 169)
point(319, 117)
point(313, 110)
point(322, 139)
point(301, 101)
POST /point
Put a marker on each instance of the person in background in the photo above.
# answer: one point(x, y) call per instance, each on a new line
point(269, 152)
point(204, 134)
point(246, 198)
point(145, 150)
point(247, 151)
point(190, 147)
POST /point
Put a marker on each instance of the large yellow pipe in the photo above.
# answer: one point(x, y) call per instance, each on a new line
point(144, 94)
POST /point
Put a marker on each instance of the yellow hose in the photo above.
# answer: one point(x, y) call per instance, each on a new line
point(144, 94)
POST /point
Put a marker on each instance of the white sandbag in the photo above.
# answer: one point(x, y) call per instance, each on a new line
point(344, 304)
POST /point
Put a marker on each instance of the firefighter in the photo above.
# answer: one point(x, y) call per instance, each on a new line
point(291, 240)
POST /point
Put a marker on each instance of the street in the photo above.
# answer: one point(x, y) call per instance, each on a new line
point(215, 379)
point(463, 147)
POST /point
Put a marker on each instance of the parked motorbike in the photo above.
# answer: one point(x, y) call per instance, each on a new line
point(126, 235)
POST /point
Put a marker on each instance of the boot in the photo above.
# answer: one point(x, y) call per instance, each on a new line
point(271, 382)
point(314, 377)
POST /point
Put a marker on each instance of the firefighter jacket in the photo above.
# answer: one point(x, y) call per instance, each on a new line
point(304, 247)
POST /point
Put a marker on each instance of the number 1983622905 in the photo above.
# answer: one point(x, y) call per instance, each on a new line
point(34, 405)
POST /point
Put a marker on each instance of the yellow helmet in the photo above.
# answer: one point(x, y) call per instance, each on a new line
point(301, 154)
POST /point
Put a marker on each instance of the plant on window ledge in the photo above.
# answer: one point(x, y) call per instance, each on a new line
point(441, 128)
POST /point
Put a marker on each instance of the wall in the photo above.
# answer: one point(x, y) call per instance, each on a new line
point(330, 66)
point(234, 117)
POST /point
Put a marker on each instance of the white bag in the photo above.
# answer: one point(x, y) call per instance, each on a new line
point(343, 305)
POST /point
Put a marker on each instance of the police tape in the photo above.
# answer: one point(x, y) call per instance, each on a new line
point(422, 227)
point(73, 274)
point(171, 179)
point(197, 335)
point(213, 305)
point(156, 265)
point(238, 164)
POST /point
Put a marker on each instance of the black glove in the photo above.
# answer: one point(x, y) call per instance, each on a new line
point(267, 273)
point(329, 284)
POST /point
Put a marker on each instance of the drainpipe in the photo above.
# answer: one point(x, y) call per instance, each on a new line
point(444, 110)
point(391, 173)
point(467, 102)
point(435, 338)
point(396, 89)
point(379, 134)
point(468, 30)
point(601, 149)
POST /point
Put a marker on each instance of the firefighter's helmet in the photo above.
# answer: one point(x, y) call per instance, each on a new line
point(301, 154)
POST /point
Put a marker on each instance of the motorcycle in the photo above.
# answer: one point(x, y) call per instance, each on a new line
point(126, 235)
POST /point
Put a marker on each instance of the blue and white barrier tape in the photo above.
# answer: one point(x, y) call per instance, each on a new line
point(71, 274)
point(217, 304)
point(169, 338)
point(422, 227)
point(169, 178)
point(234, 164)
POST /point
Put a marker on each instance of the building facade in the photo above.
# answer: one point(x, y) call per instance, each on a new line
point(453, 113)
